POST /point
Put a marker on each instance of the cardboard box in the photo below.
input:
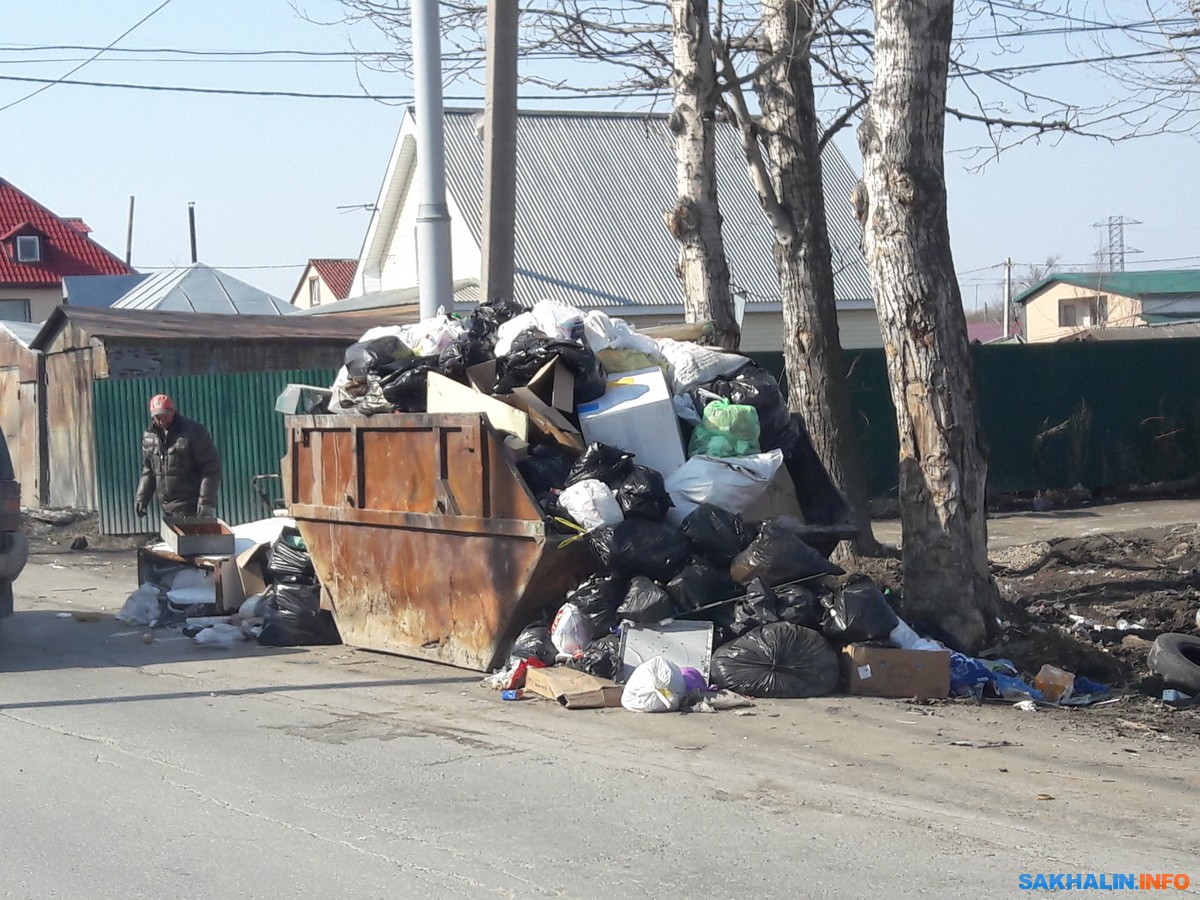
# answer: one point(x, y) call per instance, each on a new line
point(197, 537)
point(444, 395)
point(252, 568)
point(572, 688)
point(891, 672)
point(554, 384)
point(637, 415)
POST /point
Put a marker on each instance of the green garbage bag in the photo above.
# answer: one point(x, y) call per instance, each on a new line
point(727, 429)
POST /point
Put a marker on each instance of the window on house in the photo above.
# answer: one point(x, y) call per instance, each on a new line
point(14, 310)
point(29, 248)
point(1066, 315)
point(314, 291)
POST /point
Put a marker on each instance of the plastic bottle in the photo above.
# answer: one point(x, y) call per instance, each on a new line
point(1055, 684)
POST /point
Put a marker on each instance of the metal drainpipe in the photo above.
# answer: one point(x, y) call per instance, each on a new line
point(433, 216)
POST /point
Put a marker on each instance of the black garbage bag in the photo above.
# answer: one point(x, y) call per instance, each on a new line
point(645, 603)
point(404, 383)
point(464, 351)
point(604, 463)
point(657, 550)
point(760, 606)
point(545, 468)
point(601, 543)
point(859, 613)
point(780, 555)
point(602, 658)
point(800, 606)
point(700, 584)
point(719, 535)
point(534, 643)
point(644, 494)
point(289, 561)
point(754, 386)
point(531, 350)
point(779, 660)
point(590, 378)
point(366, 357)
point(498, 311)
point(598, 597)
point(294, 618)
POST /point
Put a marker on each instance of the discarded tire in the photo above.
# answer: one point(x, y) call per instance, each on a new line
point(1176, 657)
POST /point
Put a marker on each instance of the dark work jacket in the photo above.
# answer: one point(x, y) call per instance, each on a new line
point(182, 466)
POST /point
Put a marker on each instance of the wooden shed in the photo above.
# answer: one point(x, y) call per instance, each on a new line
point(82, 346)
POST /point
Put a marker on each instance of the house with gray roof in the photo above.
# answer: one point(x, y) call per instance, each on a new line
point(592, 189)
point(201, 289)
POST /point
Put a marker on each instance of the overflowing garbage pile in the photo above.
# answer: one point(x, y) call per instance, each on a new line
point(284, 612)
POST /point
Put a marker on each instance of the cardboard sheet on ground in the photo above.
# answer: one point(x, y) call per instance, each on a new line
point(572, 688)
point(683, 643)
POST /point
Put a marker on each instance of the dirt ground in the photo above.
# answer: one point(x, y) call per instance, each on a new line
point(1090, 604)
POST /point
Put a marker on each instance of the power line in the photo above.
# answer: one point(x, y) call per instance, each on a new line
point(62, 80)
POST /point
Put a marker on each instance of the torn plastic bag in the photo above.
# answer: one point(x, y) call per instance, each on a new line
point(603, 462)
point(643, 493)
point(289, 560)
point(534, 642)
point(657, 550)
point(701, 583)
point(545, 468)
point(655, 686)
point(404, 384)
point(859, 613)
point(779, 555)
point(570, 631)
point(602, 658)
point(720, 535)
point(645, 603)
point(731, 484)
point(598, 597)
point(294, 618)
point(726, 429)
point(591, 503)
point(369, 356)
point(754, 386)
point(779, 660)
point(142, 607)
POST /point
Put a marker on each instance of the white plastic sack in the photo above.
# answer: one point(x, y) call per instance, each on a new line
point(431, 336)
point(379, 331)
point(692, 364)
point(559, 320)
point(141, 607)
point(591, 503)
point(904, 637)
point(221, 635)
point(253, 607)
point(507, 332)
point(655, 686)
point(731, 484)
point(602, 332)
point(570, 631)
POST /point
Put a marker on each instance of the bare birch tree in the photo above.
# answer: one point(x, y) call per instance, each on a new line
point(906, 235)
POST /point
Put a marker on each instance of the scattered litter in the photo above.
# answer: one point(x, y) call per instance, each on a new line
point(1026, 706)
point(1044, 797)
point(983, 745)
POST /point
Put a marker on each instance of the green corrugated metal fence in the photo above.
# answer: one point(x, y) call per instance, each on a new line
point(239, 412)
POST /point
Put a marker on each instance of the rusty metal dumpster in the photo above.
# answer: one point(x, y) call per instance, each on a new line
point(426, 539)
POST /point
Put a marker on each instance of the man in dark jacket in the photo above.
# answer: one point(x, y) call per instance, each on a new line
point(179, 462)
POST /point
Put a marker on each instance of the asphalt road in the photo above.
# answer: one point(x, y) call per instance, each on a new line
point(167, 769)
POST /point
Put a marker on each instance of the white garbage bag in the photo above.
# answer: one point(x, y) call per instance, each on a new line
point(603, 332)
point(559, 320)
point(431, 336)
point(731, 484)
point(141, 607)
point(507, 332)
point(655, 686)
point(591, 503)
point(692, 364)
point(570, 631)
point(222, 635)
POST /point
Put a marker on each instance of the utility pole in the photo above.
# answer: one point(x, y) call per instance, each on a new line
point(129, 235)
point(1007, 292)
point(500, 151)
point(433, 216)
point(192, 228)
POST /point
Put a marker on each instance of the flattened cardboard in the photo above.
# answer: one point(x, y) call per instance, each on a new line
point(252, 568)
point(554, 384)
point(547, 419)
point(444, 395)
point(482, 376)
point(572, 688)
point(891, 672)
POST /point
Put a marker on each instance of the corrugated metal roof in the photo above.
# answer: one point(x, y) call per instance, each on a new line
point(202, 289)
point(175, 326)
point(1158, 282)
point(24, 332)
point(591, 192)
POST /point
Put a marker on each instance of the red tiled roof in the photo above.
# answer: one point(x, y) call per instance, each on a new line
point(66, 250)
point(337, 273)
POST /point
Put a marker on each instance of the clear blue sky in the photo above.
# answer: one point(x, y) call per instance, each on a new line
point(268, 173)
